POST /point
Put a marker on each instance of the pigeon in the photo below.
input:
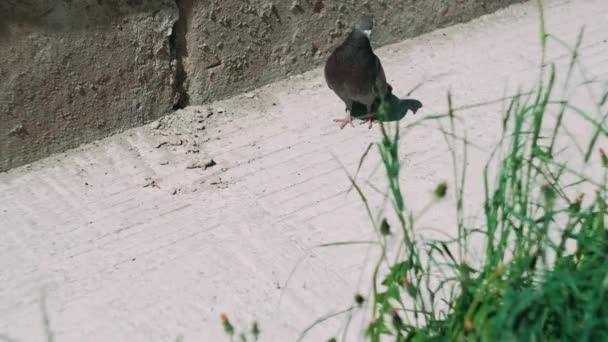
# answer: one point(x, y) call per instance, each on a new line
point(355, 73)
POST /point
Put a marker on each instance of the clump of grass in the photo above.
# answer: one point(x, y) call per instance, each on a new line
point(544, 269)
point(529, 285)
point(251, 334)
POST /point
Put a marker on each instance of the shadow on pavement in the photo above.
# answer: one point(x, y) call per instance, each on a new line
point(397, 108)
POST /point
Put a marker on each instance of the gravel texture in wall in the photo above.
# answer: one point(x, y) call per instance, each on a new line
point(75, 71)
point(72, 71)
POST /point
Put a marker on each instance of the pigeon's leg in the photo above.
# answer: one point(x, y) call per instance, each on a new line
point(345, 121)
point(369, 118)
point(348, 119)
point(371, 121)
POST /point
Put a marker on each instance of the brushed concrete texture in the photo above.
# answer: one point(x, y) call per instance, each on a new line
point(231, 46)
point(139, 238)
point(75, 71)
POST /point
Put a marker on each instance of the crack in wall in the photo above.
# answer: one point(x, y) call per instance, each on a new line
point(179, 50)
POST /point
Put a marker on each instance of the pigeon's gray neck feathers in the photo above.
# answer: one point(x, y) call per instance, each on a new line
point(358, 38)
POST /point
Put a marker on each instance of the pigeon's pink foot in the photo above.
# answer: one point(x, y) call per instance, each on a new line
point(345, 121)
point(371, 121)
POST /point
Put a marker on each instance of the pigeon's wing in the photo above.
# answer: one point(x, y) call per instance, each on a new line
point(379, 69)
point(330, 65)
point(335, 75)
point(382, 77)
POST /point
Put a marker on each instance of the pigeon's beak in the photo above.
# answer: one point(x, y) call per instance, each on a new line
point(367, 33)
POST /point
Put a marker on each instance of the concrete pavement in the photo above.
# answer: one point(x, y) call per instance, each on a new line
point(138, 237)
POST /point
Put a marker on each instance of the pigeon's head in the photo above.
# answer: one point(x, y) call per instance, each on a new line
point(365, 24)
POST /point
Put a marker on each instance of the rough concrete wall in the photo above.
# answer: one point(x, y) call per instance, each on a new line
point(235, 45)
point(72, 71)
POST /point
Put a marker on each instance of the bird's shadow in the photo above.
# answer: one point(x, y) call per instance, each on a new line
point(397, 108)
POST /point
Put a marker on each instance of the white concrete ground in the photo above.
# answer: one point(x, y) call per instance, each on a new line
point(135, 240)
